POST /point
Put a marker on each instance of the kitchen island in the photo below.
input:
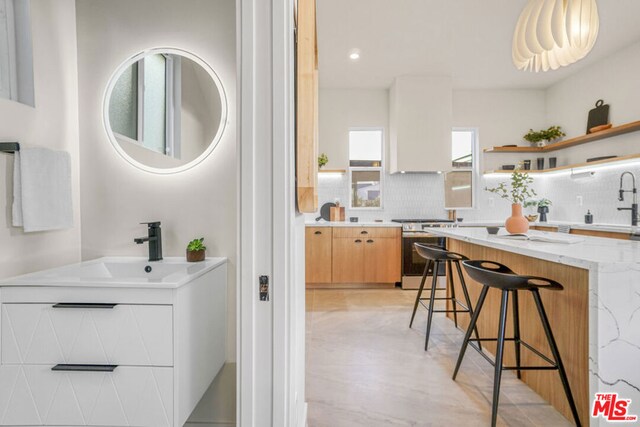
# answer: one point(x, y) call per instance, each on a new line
point(595, 319)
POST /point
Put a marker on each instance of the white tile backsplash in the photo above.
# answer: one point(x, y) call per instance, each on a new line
point(404, 196)
point(422, 196)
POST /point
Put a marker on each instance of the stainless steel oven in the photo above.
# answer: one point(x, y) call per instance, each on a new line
point(413, 264)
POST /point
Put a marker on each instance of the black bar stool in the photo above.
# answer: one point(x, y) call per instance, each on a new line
point(494, 275)
point(435, 255)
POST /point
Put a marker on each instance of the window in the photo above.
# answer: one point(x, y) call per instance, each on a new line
point(365, 168)
point(145, 102)
point(459, 182)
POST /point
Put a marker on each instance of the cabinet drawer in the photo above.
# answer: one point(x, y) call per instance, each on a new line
point(128, 396)
point(140, 335)
point(366, 232)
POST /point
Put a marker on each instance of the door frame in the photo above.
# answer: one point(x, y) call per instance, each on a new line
point(270, 347)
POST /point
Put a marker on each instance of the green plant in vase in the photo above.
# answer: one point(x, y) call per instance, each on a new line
point(543, 137)
point(543, 209)
point(518, 191)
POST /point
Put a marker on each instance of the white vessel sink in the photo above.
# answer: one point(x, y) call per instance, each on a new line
point(172, 272)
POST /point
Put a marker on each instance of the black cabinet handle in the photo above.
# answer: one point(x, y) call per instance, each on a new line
point(364, 232)
point(84, 368)
point(369, 241)
point(318, 232)
point(83, 305)
point(358, 241)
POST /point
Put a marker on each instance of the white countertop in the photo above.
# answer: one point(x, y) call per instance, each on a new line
point(119, 272)
point(614, 228)
point(352, 224)
point(589, 252)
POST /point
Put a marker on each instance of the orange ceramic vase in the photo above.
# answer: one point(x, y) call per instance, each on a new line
point(516, 223)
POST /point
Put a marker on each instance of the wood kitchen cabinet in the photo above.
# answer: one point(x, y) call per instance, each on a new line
point(362, 255)
point(306, 106)
point(318, 244)
point(348, 260)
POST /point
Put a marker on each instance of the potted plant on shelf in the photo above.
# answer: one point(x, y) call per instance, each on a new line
point(543, 209)
point(530, 207)
point(517, 193)
point(196, 250)
point(322, 160)
point(544, 137)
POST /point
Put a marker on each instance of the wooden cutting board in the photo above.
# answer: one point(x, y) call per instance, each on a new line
point(598, 116)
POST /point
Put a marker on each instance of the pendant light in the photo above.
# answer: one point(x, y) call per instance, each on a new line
point(554, 33)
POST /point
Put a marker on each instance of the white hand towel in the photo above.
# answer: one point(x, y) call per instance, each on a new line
point(43, 189)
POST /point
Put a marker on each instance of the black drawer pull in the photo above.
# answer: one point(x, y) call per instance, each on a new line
point(358, 241)
point(318, 232)
point(83, 305)
point(364, 232)
point(369, 241)
point(84, 368)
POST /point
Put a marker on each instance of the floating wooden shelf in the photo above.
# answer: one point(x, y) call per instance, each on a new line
point(574, 166)
point(614, 131)
point(332, 171)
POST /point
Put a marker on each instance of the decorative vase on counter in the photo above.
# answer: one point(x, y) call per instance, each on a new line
point(516, 223)
point(543, 211)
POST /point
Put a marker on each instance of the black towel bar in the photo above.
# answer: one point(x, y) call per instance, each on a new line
point(9, 147)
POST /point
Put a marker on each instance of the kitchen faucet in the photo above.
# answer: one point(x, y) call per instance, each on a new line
point(634, 205)
point(155, 240)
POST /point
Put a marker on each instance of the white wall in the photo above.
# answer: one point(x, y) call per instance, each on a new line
point(567, 104)
point(342, 109)
point(52, 124)
point(615, 80)
point(200, 202)
point(501, 116)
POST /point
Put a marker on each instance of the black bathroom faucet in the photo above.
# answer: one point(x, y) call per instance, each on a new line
point(155, 240)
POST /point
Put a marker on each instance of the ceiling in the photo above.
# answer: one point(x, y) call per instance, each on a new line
point(467, 39)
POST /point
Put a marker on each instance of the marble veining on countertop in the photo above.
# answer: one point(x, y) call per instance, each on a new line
point(614, 228)
point(588, 252)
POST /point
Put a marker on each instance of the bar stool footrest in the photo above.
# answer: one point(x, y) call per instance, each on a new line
point(526, 345)
point(465, 309)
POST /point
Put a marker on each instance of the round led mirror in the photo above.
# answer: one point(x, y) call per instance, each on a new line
point(164, 110)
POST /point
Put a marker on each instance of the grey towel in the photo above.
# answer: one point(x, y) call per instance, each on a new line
point(42, 190)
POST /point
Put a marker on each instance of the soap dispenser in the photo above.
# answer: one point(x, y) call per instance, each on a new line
point(588, 218)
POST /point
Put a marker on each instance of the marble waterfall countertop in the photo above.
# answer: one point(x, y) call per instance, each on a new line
point(589, 252)
point(614, 302)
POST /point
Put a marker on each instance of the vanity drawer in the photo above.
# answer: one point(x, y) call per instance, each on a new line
point(135, 335)
point(128, 396)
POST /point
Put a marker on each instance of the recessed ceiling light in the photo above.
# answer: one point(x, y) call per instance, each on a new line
point(354, 55)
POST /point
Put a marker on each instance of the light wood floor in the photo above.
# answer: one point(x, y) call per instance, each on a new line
point(365, 367)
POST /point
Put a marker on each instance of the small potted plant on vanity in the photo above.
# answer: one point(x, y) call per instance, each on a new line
point(196, 250)
point(517, 193)
point(544, 137)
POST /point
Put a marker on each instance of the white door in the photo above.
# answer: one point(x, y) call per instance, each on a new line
point(270, 333)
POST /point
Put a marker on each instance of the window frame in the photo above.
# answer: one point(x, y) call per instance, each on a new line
point(173, 96)
point(380, 168)
point(475, 165)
